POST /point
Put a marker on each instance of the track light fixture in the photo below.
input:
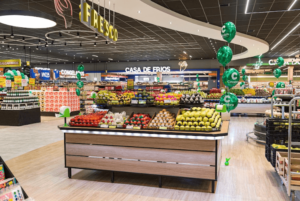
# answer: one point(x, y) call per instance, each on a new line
point(106, 42)
point(46, 44)
point(95, 44)
point(23, 38)
point(78, 35)
point(39, 42)
point(65, 43)
point(4, 37)
point(52, 42)
point(37, 48)
point(8, 46)
point(60, 34)
point(96, 35)
point(24, 47)
point(80, 45)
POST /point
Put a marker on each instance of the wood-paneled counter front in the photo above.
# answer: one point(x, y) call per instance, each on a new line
point(156, 152)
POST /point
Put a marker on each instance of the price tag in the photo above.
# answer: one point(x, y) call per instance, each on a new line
point(142, 102)
point(8, 83)
point(31, 81)
point(18, 79)
point(167, 101)
point(112, 126)
point(119, 126)
point(24, 83)
point(129, 127)
point(134, 101)
point(137, 127)
point(104, 126)
point(163, 128)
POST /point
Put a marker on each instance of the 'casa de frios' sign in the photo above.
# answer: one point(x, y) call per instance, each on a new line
point(148, 69)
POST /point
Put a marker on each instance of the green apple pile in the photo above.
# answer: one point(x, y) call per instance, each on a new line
point(198, 119)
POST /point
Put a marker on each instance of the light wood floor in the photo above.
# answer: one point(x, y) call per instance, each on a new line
point(249, 177)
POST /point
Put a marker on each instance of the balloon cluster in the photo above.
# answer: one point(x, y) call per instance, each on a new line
point(198, 83)
point(158, 79)
point(231, 76)
point(79, 83)
point(245, 77)
point(12, 73)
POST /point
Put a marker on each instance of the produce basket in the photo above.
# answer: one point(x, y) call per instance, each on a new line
point(164, 120)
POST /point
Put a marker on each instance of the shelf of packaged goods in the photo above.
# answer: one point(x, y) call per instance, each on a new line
point(19, 96)
point(255, 103)
point(284, 95)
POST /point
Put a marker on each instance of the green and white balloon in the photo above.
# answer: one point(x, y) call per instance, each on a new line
point(280, 85)
point(228, 31)
point(277, 72)
point(231, 77)
point(280, 61)
point(230, 100)
point(224, 55)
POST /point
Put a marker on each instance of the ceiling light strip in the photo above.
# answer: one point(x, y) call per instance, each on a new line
point(294, 53)
point(292, 5)
point(247, 4)
point(285, 36)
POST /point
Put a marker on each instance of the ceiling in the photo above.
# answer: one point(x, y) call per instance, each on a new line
point(140, 41)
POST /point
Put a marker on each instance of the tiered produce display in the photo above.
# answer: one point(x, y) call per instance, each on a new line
point(167, 99)
point(163, 120)
point(191, 97)
point(138, 120)
point(143, 97)
point(90, 120)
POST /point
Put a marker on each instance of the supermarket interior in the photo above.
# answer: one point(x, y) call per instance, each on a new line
point(149, 100)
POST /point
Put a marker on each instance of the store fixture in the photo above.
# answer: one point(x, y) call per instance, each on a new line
point(10, 188)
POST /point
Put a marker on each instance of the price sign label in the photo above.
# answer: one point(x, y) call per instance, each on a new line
point(134, 101)
point(142, 102)
point(137, 127)
point(31, 81)
point(24, 83)
point(129, 127)
point(163, 128)
point(2, 82)
point(104, 126)
point(112, 126)
point(167, 101)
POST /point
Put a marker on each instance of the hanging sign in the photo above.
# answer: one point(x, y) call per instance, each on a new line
point(8, 83)
point(148, 69)
point(18, 79)
point(10, 63)
point(2, 82)
point(130, 83)
point(31, 81)
point(24, 83)
point(90, 17)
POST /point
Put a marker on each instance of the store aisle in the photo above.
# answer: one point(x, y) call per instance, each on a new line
point(20, 140)
point(249, 177)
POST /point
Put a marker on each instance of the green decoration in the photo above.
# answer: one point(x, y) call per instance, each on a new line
point(245, 77)
point(228, 31)
point(79, 84)
point(78, 76)
point(230, 100)
point(198, 84)
point(273, 92)
point(197, 75)
point(9, 76)
point(78, 92)
point(231, 77)
point(1, 89)
point(158, 79)
point(15, 72)
point(280, 85)
point(80, 68)
point(197, 79)
point(280, 61)
point(243, 71)
point(227, 161)
point(22, 75)
point(242, 84)
point(277, 72)
point(224, 55)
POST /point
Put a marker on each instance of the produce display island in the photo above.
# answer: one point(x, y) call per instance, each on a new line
point(156, 152)
point(20, 117)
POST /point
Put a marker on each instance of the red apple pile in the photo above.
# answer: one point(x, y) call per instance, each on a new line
point(138, 120)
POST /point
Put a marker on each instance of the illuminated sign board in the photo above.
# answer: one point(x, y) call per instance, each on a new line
point(90, 17)
point(148, 69)
point(272, 62)
point(10, 63)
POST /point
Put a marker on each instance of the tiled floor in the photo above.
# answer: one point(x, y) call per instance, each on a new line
point(22, 139)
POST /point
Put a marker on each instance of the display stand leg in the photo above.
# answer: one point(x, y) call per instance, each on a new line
point(159, 182)
point(212, 186)
point(69, 173)
point(112, 177)
point(65, 125)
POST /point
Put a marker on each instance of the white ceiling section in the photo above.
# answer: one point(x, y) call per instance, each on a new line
point(150, 12)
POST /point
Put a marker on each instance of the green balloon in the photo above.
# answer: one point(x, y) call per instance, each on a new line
point(242, 84)
point(228, 31)
point(280, 61)
point(245, 77)
point(22, 75)
point(243, 71)
point(78, 76)
point(231, 77)
point(9, 76)
point(197, 75)
point(79, 84)
point(198, 84)
point(197, 79)
point(277, 72)
point(230, 100)
point(273, 92)
point(15, 72)
point(78, 92)
point(80, 68)
point(224, 55)
point(280, 85)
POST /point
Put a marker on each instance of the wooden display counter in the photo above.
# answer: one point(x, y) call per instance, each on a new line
point(156, 152)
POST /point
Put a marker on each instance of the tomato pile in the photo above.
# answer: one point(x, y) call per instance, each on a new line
point(141, 120)
point(88, 120)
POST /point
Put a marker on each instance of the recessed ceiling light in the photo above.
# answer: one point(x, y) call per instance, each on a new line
point(139, 11)
point(184, 52)
point(170, 22)
point(93, 55)
point(27, 19)
point(110, 59)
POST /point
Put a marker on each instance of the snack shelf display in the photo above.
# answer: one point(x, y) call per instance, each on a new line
point(139, 149)
point(19, 100)
point(10, 189)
